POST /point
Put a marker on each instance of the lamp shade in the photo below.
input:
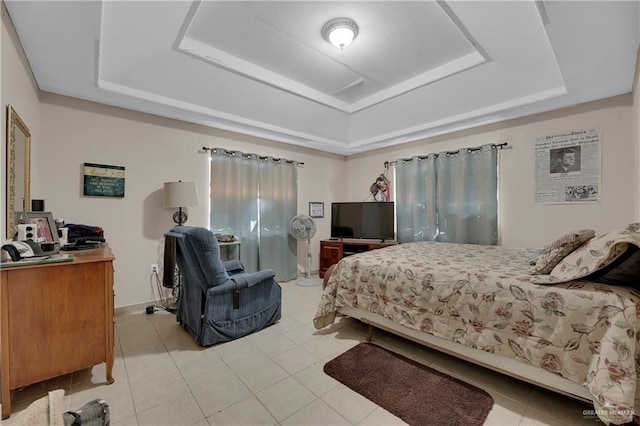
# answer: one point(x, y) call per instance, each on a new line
point(180, 194)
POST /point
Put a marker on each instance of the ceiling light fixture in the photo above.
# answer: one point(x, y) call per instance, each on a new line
point(340, 32)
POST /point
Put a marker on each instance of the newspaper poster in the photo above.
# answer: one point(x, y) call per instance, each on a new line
point(568, 167)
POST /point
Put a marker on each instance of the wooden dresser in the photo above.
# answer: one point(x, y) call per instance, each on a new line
point(331, 251)
point(55, 319)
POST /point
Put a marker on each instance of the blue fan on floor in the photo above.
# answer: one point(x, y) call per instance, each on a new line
point(303, 227)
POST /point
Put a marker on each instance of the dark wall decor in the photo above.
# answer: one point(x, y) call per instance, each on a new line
point(101, 180)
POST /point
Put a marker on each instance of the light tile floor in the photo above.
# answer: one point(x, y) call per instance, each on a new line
point(273, 377)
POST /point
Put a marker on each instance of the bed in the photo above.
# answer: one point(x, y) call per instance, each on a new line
point(568, 326)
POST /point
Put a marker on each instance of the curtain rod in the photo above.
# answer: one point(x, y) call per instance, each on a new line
point(503, 145)
point(244, 154)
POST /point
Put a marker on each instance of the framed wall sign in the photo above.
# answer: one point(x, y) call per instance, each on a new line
point(316, 209)
point(101, 180)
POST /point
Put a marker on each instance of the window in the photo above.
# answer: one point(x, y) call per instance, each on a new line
point(449, 197)
point(254, 198)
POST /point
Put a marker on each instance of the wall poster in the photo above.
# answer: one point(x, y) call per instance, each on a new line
point(568, 167)
point(103, 181)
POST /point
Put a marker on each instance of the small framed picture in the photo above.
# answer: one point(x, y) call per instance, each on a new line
point(46, 231)
point(316, 209)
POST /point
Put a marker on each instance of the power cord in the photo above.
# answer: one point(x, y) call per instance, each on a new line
point(162, 302)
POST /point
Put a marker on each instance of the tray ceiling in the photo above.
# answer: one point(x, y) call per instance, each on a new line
point(416, 69)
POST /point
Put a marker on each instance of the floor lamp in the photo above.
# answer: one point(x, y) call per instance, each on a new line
point(178, 194)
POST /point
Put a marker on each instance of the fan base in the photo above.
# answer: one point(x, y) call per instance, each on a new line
point(309, 282)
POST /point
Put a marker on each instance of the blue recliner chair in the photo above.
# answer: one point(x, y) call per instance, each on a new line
point(219, 301)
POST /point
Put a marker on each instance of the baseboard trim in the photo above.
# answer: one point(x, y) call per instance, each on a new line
point(131, 309)
point(138, 308)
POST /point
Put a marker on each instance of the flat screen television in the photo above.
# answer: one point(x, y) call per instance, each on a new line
point(371, 220)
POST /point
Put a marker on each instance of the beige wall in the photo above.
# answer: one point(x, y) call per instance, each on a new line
point(153, 150)
point(18, 89)
point(635, 117)
point(521, 222)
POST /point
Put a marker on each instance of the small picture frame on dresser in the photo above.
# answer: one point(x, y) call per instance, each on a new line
point(46, 230)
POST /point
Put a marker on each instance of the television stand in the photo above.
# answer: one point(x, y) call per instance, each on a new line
point(331, 251)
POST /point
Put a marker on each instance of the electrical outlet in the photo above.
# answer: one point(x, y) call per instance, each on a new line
point(154, 268)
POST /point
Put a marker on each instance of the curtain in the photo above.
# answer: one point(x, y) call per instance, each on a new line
point(468, 196)
point(416, 199)
point(254, 198)
point(234, 201)
point(278, 203)
point(449, 197)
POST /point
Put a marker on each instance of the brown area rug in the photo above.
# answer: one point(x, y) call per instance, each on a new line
point(417, 394)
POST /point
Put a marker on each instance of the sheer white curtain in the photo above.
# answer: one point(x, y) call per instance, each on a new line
point(416, 199)
point(468, 196)
point(449, 196)
point(254, 198)
point(278, 181)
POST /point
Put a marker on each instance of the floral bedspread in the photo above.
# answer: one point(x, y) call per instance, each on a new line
point(481, 296)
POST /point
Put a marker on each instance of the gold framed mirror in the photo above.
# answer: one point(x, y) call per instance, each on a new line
point(18, 163)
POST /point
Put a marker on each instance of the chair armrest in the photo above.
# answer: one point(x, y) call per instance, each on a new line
point(248, 280)
point(239, 281)
point(233, 266)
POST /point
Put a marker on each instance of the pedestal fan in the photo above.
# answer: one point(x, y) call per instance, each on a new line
point(303, 227)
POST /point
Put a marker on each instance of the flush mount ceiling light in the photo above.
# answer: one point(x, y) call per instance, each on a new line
point(340, 32)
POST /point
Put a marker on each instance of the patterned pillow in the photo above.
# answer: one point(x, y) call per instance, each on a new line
point(593, 256)
point(553, 253)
